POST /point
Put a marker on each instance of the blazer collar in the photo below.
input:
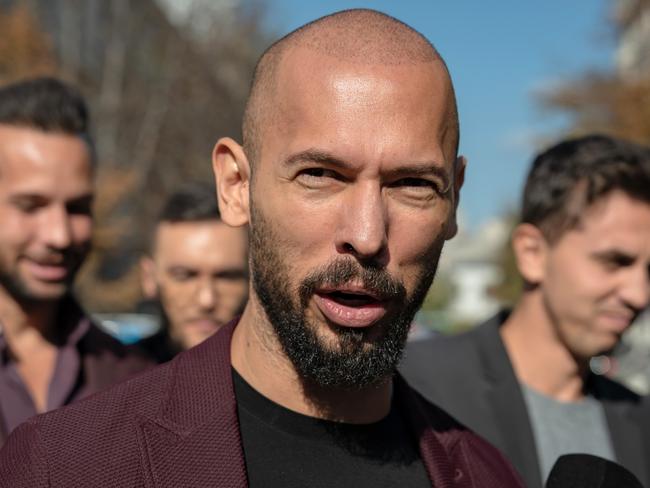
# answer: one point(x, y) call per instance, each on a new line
point(505, 397)
point(194, 439)
point(626, 421)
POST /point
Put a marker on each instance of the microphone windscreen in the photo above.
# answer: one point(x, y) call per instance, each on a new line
point(589, 471)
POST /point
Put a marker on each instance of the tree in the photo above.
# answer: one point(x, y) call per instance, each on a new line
point(24, 48)
point(613, 102)
point(605, 102)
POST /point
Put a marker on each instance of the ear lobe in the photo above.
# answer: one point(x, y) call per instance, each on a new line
point(148, 281)
point(232, 178)
point(457, 183)
point(530, 249)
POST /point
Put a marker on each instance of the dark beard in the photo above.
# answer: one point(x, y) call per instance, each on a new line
point(22, 293)
point(358, 360)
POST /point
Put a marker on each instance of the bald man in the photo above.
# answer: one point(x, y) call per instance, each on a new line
point(349, 180)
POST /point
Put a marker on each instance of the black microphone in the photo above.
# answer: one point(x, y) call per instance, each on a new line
point(588, 471)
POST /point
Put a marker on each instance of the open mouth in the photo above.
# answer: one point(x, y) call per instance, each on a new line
point(351, 299)
point(350, 308)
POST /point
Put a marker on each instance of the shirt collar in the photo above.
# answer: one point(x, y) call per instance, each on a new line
point(70, 316)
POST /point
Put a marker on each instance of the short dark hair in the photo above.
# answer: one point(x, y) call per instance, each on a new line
point(47, 104)
point(194, 202)
point(571, 176)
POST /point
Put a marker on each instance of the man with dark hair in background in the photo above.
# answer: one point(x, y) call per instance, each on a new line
point(522, 379)
point(349, 181)
point(196, 271)
point(50, 352)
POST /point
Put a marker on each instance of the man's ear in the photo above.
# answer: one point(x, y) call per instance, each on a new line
point(148, 280)
point(459, 178)
point(232, 178)
point(530, 248)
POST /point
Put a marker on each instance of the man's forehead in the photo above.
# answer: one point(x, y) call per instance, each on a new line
point(174, 236)
point(327, 98)
point(615, 220)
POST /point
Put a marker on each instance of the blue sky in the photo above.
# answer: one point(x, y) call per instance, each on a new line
point(500, 54)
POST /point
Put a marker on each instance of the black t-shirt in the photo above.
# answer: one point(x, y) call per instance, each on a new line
point(289, 450)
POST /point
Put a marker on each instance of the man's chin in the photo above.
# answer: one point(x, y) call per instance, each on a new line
point(40, 291)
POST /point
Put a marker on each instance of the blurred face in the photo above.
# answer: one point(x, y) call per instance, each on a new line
point(45, 210)
point(597, 276)
point(199, 272)
point(351, 202)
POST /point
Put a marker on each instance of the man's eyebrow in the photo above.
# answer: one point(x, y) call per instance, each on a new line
point(316, 156)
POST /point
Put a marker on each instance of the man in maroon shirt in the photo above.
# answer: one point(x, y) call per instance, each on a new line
point(349, 179)
point(50, 352)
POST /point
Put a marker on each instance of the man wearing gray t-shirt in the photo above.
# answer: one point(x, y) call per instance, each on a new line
point(522, 380)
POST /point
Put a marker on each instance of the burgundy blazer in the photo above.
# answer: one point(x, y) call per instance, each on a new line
point(176, 426)
point(104, 362)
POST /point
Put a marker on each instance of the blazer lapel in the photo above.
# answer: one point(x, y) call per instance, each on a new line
point(194, 440)
point(210, 455)
point(3, 432)
point(509, 410)
point(627, 437)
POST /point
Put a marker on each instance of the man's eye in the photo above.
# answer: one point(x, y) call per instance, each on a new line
point(421, 185)
point(317, 177)
point(318, 173)
point(27, 206)
point(614, 262)
point(79, 209)
point(181, 274)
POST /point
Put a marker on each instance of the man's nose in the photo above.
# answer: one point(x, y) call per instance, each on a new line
point(206, 296)
point(55, 228)
point(363, 229)
point(636, 289)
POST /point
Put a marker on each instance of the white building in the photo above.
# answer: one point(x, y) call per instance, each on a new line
point(470, 262)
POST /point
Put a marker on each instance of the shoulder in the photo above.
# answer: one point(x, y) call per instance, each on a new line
point(447, 345)
point(451, 345)
point(23, 460)
point(459, 356)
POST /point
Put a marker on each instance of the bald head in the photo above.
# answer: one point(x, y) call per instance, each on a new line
point(360, 36)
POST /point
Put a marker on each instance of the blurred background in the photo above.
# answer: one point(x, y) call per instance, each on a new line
point(166, 78)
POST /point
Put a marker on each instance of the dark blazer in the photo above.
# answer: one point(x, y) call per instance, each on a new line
point(470, 376)
point(176, 426)
point(104, 362)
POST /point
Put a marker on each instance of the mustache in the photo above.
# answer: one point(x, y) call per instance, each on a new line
point(342, 271)
point(57, 258)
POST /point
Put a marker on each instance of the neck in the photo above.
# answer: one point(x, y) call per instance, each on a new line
point(23, 319)
point(258, 357)
point(539, 357)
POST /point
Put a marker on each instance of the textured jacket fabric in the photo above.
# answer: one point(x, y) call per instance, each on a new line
point(104, 362)
point(176, 426)
point(471, 377)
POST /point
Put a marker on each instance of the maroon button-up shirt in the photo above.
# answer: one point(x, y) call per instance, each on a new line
point(16, 404)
